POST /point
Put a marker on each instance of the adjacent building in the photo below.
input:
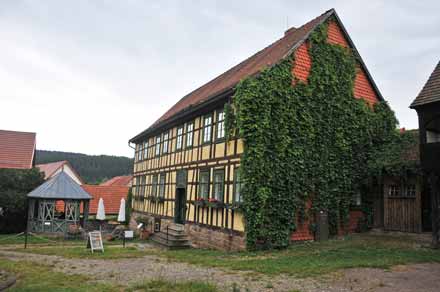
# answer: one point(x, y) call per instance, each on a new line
point(427, 105)
point(53, 168)
point(184, 169)
point(122, 180)
point(17, 149)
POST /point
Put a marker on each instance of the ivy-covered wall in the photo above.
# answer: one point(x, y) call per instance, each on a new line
point(309, 142)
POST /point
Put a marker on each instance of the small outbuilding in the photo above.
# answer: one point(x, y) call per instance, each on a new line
point(43, 214)
point(427, 105)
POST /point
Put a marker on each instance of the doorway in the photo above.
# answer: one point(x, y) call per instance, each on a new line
point(180, 206)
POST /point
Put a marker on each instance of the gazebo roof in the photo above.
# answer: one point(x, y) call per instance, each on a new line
point(61, 186)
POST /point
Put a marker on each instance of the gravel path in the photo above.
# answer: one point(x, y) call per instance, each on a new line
point(135, 270)
point(421, 277)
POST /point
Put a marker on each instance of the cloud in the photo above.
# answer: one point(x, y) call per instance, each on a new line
point(89, 75)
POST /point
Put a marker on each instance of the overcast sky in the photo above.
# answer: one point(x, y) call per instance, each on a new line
point(86, 76)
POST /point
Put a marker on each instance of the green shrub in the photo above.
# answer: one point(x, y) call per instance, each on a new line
point(15, 184)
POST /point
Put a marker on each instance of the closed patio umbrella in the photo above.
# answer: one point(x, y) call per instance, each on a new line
point(121, 215)
point(100, 214)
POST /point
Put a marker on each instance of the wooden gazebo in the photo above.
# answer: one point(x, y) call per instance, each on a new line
point(427, 105)
point(55, 206)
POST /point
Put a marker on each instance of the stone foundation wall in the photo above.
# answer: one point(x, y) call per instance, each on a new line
point(200, 236)
point(206, 237)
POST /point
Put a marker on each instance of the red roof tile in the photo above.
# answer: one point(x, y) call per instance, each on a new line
point(17, 149)
point(269, 56)
point(265, 58)
point(123, 180)
point(111, 196)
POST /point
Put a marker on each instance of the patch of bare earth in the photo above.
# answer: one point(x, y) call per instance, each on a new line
point(420, 277)
point(403, 278)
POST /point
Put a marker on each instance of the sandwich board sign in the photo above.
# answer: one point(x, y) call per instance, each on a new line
point(95, 241)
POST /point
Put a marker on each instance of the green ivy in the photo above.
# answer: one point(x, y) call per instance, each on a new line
point(308, 142)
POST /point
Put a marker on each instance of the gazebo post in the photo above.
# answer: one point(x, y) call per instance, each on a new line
point(27, 223)
point(86, 213)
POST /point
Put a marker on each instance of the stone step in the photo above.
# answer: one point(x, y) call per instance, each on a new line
point(171, 236)
point(170, 244)
point(173, 232)
point(176, 227)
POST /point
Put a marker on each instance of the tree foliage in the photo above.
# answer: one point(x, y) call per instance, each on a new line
point(94, 169)
point(15, 184)
point(308, 142)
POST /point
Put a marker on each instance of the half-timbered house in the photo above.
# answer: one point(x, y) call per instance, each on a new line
point(186, 172)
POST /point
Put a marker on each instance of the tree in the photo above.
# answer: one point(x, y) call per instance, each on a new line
point(15, 184)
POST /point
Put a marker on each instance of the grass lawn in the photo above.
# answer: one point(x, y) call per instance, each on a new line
point(314, 259)
point(302, 260)
point(36, 277)
point(110, 252)
point(163, 286)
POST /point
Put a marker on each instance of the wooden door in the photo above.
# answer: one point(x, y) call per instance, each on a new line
point(402, 205)
point(180, 206)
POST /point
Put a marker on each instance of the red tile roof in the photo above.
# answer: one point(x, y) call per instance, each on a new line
point(254, 64)
point(17, 149)
point(267, 57)
point(123, 180)
point(111, 195)
point(50, 168)
point(431, 91)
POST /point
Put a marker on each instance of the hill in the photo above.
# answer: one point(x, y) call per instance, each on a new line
point(94, 169)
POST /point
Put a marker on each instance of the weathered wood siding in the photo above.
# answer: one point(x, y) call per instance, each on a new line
point(402, 212)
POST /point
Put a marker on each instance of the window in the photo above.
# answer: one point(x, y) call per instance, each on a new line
point(219, 184)
point(142, 187)
point(137, 184)
point(220, 134)
point(157, 145)
point(237, 186)
point(179, 141)
point(394, 191)
point(165, 143)
point(204, 184)
point(411, 191)
point(162, 185)
point(136, 152)
point(207, 124)
point(154, 186)
point(189, 134)
point(146, 150)
point(432, 137)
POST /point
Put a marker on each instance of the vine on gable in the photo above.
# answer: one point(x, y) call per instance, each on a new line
point(308, 142)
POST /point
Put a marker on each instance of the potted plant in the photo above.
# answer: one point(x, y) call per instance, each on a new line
point(214, 203)
point(200, 202)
